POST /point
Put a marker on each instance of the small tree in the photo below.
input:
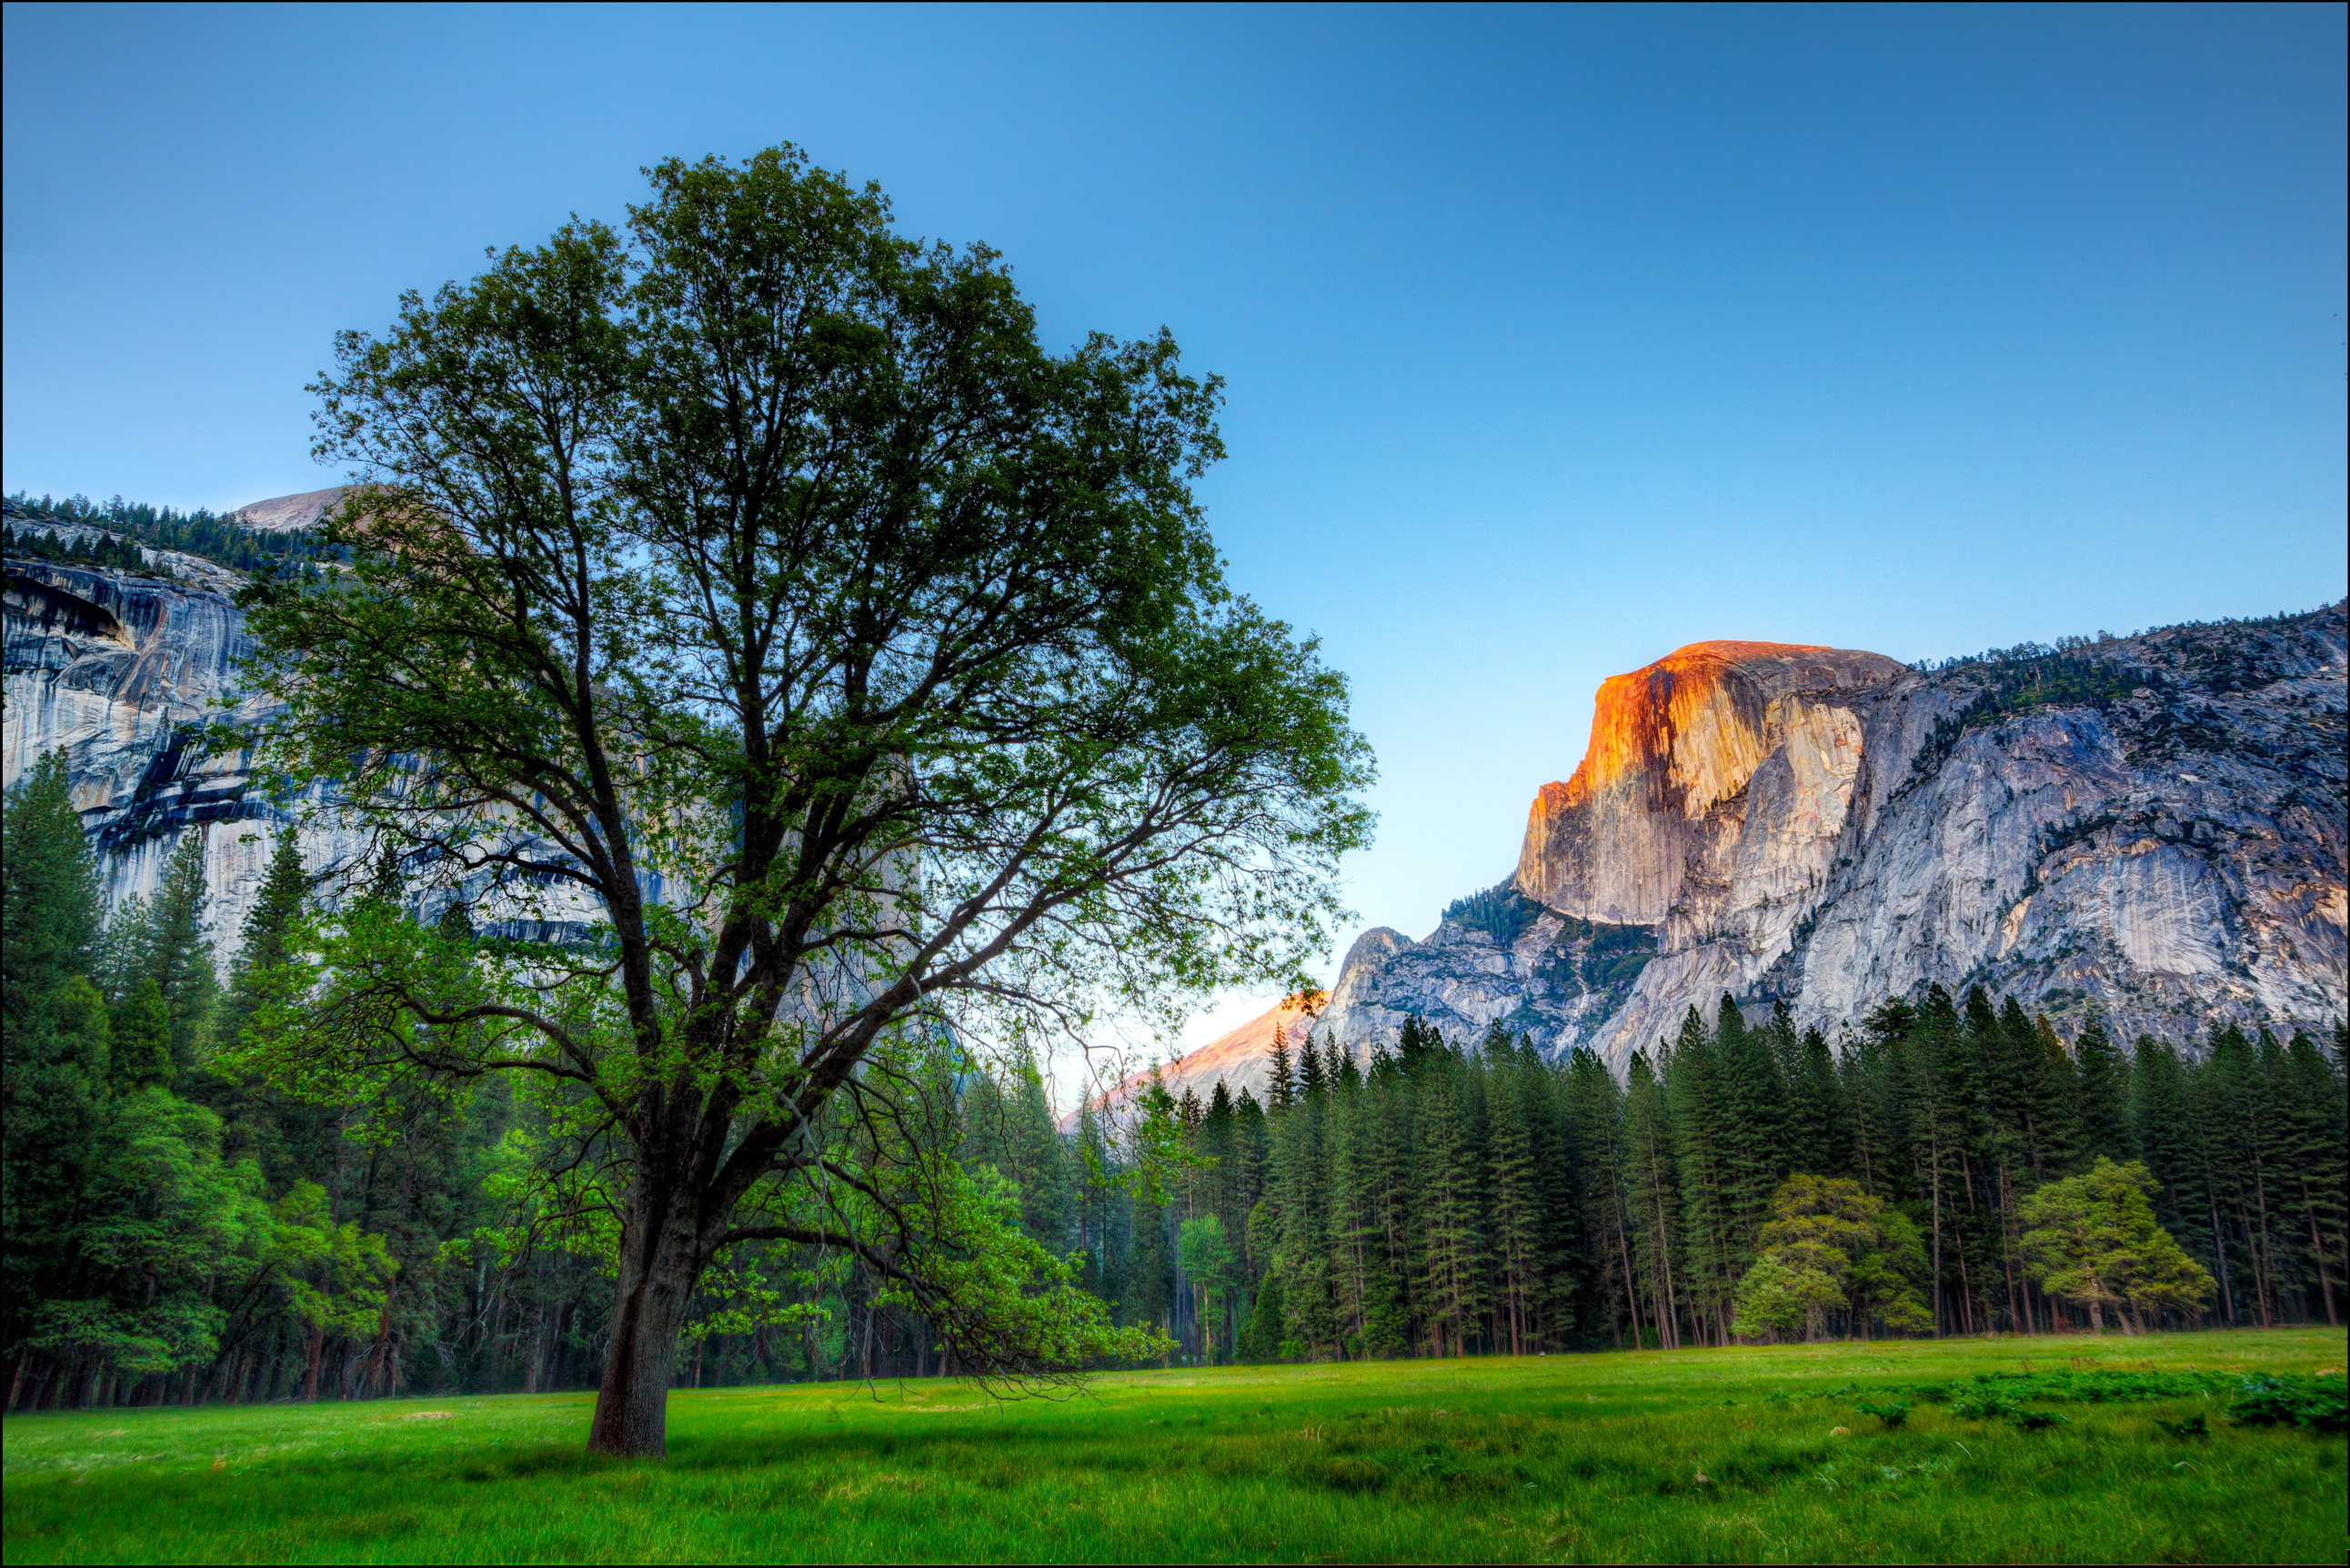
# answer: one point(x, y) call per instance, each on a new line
point(2092, 1240)
point(1831, 1247)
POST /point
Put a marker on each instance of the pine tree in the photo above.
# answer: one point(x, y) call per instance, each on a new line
point(1693, 1093)
point(2167, 1135)
point(2232, 1114)
point(164, 941)
point(261, 944)
point(1383, 1205)
point(1751, 1130)
point(1540, 1095)
point(1653, 1189)
point(1592, 1114)
point(1876, 1076)
point(294, 1139)
point(2100, 1090)
point(1283, 1084)
point(1445, 1176)
point(2316, 1150)
point(140, 1030)
point(51, 910)
point(53, 1041)
point(1300, 1198)
point(1819, 1124)
point(1943, 1100)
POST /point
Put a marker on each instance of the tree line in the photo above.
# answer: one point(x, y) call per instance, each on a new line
point(1451, 1200)
point(216, 537)
point(104, 550)
point(178, 1230)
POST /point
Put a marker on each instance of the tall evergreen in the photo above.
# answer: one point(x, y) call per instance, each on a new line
point(2313, 1142)
point(2163, 1119)
point(1653, 1195)
point(54, 1037)
point(2101, 1093)
point(1439, 1199)
point(1706, 1152)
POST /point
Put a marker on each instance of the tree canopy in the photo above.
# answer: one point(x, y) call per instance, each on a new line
point(755, 582)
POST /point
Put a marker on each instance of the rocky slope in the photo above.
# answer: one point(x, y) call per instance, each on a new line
point(121, 669)
point(289, 514)
point(2152, 827)
point(2149, 827)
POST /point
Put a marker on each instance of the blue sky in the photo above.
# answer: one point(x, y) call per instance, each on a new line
point(1556, 338)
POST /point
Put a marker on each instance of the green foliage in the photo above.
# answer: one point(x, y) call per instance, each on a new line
point(1499, 911)
point(1003, 753)
point(1012, 1309)
point(215, 537)
point(2314, 1403)
point(1831, 1247)
point(2093, 1239)
point(105, 551)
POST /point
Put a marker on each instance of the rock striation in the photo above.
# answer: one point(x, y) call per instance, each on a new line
point(2148, 828)
point(1671, 744)
point(122, 671)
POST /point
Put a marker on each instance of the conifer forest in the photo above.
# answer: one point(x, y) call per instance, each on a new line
point(179, 1233)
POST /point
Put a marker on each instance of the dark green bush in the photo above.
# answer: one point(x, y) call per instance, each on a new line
point(2313, 1404)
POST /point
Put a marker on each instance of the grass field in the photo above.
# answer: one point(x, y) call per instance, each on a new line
point(1696, 1455)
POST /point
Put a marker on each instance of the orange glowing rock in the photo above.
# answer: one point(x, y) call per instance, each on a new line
point(1672, 747)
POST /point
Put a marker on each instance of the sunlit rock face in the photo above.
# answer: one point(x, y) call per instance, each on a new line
point(1670, 746)
point(1785, 824)
point(1240, 1059)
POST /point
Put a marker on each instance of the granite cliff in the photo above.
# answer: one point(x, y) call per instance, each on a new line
point(123, 669)
point(2152, 827)
point(120, 669)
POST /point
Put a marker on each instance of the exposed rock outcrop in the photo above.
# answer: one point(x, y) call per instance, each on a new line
point(290, 513)
point(1241, 1059)
point(1672, 743)
point(2162, 840)
point(123, 670)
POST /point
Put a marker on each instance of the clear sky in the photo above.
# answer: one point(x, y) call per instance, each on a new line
point(1556, 338)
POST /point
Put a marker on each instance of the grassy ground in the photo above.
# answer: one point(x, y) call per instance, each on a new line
point(1694, 1455)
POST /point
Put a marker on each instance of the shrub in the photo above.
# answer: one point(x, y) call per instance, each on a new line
point(2313, 1404)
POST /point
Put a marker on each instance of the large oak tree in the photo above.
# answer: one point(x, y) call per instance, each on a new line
point(753, 579)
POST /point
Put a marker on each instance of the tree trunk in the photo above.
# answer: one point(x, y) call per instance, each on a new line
point(657, 1279)
point(313, 1356)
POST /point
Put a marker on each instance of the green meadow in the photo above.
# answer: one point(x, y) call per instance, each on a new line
point(2047, 1450)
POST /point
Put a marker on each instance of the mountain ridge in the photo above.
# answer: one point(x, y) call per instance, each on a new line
point(2149, 829)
